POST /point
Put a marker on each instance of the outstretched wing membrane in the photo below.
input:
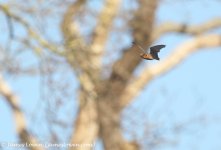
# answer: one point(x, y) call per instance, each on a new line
point(141, 48)
point(154, 50)
point(157, 48)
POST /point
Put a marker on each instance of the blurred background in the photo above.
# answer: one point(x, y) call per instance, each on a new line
point(69, 74)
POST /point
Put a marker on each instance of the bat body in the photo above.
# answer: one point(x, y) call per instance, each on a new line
point(154, 50)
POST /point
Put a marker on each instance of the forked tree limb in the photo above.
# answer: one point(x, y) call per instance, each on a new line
point(174, 59)
point(86, 125)
point(20, 121)
point(169, 27)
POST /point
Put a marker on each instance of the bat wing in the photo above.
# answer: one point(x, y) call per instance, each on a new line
point(155, 50)
point(141, 48)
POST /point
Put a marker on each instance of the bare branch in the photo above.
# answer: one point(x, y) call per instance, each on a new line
point(86, 125)
point(169, 27)
point(174, 59)
point(43, 42)
point(99, 37)
point(74, 42)
point(20, 121)
point(10, 26)
point(68, 26)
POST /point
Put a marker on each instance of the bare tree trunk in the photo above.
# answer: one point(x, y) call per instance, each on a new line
point(109, 105)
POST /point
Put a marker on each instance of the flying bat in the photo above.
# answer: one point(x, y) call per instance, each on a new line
point(154, 50)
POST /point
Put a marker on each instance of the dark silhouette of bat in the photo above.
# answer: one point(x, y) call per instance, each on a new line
point(154, 50)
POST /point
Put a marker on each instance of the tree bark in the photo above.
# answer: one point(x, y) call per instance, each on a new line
point(111, 89)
